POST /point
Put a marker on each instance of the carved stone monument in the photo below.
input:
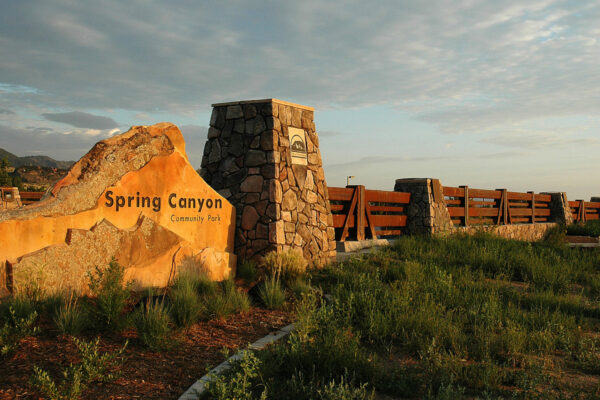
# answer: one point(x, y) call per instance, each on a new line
point(263, 156)
point(134, 197)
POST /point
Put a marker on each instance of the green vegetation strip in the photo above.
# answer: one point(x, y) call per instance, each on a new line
point(440, 318)
point(197, 389)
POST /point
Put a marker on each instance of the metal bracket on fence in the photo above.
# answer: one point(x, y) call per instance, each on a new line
point(466, 203)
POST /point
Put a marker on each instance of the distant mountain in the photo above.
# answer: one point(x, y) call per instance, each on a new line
point(34, 161)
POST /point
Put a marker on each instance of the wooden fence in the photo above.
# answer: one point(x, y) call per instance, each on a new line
point(30, 197)
point(493, 207)
point(362, 214)
point(584, 210)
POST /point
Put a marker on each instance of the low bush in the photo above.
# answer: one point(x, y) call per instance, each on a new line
point(94, 367)
point(15, 329)
point(241, 382)
point(152, 325)
point(300, 288)
point(20, 306)
point(110, 296)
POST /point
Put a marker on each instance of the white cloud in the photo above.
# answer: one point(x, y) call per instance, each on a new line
point(470, 67)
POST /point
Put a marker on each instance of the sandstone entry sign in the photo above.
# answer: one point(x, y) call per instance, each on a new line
point(134, 197)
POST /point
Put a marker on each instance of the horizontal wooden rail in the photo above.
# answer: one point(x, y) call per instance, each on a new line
point(31, 197)
point(584, 210)
point(468, 206)
point(360, 213)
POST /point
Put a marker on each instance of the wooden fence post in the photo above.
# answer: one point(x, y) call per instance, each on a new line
point(532, 207)
point(581, 211)
point(360, 213)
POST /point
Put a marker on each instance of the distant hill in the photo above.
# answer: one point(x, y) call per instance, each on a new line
point(34, 161)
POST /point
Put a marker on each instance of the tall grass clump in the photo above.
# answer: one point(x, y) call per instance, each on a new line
point(271, 293)
point(289, 265)
point(110, 296)
point(151, 322)
point(248, 271)
point(227, 300)
point(71, 317)
point(185, 300)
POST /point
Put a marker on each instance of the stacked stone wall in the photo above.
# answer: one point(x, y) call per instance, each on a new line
point(526, 232)
point(427, 212)
point(559, 208)
point(279, 204)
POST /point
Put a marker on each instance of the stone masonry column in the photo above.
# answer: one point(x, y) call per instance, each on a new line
point(427, 212)
point(559, 208)
point(263, 156)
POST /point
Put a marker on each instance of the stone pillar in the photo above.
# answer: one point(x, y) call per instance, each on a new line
point(560, 211)
point(12, 198)
point(263, 156)
point(427, 212)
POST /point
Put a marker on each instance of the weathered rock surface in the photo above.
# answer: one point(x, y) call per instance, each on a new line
point(135, 197)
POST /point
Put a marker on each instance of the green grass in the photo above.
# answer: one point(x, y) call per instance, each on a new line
point(185, 300)
point(224, 301)
point(271, 293)
point(248, 271)
point(151, 322)
point(589, 228)
point(71, 317)
point(446, 317)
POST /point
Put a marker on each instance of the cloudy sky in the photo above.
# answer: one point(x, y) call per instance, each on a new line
point(493, 94)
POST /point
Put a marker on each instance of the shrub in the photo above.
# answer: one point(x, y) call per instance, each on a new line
point(71, 317)
point(96, 366)
point(93, 367)
point(152, 325)
point(15, 329)
point(587, 355)
point(110, 296)
point(300, 288)
point(299, 387)
point(239, 382)
point(288, 265)
point(271, 293)
point(185, 302)
point(247, 271)
point(22, 307)
point(70, 388)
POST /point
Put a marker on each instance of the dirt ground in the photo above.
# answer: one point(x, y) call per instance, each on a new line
point(144, 374)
